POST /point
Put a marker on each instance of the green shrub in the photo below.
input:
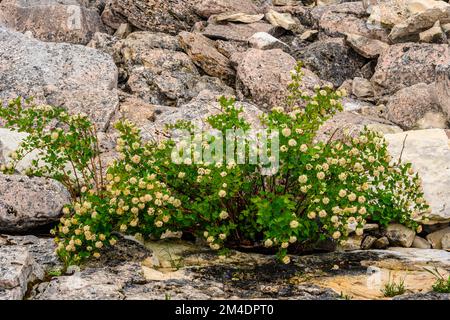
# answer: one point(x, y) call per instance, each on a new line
point(317, 191)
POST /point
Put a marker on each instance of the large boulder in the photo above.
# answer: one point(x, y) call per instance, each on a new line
point(429, 153)
point(411, 107)
point(70, 21)
point(263, 77)
point(27, 203)
point(332, 60)
point(406, 64)
point(77, 78)
point(168, 16)
point(204, 54)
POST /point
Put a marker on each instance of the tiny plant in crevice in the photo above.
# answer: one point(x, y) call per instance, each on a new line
point(318, 190)
point(392, 289)
point(442, 285)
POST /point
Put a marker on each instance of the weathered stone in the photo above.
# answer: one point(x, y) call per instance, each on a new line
point(27, 203)
point(263, 76)
point(264, 41)
point(309, 35)
point(404, 65)
point(349, 17)
point(103, 42)
point(436, 238)
point(424, 296)
point(434, 171)
point(168, 16)
point(235, 31)
point(77, 78)
point(381, 243)
point(283, 20)
point(433, 35)
point(399, 235)
point(420, 243)
point(136, 110)
point(203, 53)
point(445, 242)
point(332, 60)
point(426, 15)
point(70, 21)
point(442, 88)
point(111, 18)
point(368, 48)
point(355, 124)
point(368, 242)
point(351, 244)
point(385, 13)
point(207, 8)
point(237, 17)
point(409, 105)
point(362, 88)
point(123, 31)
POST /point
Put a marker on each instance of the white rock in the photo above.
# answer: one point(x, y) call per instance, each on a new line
point(429, 152)
point(264, 41)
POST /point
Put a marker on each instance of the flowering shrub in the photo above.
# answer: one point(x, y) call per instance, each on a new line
point(318, 191)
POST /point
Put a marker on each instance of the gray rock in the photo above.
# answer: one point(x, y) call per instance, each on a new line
point(436, 238)
point(445, 242)
point(78, 78)
point(381, 243)
point(442, 88)
point(420, 243)
point(424, 296)
point(332, 60)
point(368, 242)
point(399, 235)
point(165, 16)
point(70, 21)
point(27, 203)
point(362, 88)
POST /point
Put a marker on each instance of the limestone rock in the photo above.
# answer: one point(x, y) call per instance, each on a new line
point(406, 64)
point(399, 235)
point(78, 78)
point(420, 243)
point(349, 17)
point(434, 171)
point(283, 20)
point(433, 35)
point(436, 238)
point(368, 48)
point(70, 21)
point(27, 203)
point(236, 32)
point(409, 105)
point(332, 60)
point(237, 17)
point(427, 13)
point(207, 8)
point(368, 242)
point(264, 41)
point(362, 88)
point(203, 53)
